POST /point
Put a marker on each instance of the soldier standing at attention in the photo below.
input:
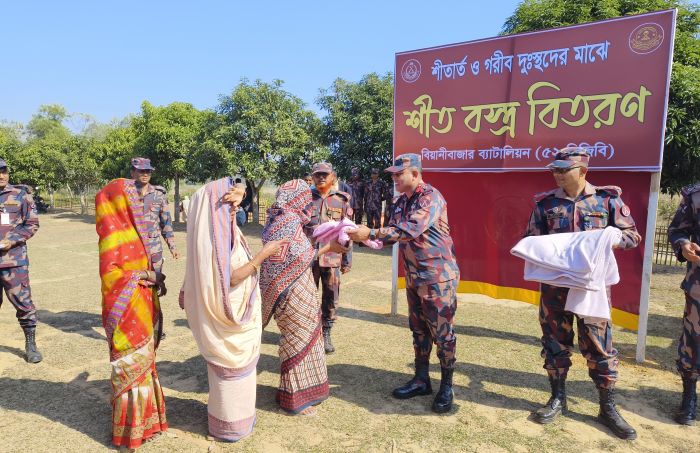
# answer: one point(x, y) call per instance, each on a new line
point(419, 225)
point(328, 204)
point(18, 223)
point(156, 212)
point(578, 205)
point(375, 192)
point(684, 235)
point(358, 194)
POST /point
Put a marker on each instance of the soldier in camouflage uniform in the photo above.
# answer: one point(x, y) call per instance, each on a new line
point(328, 204)
point(389, 205)
point(419, 224)
point(358, 194)
point(684, 235)
point(18, 223)
point(375, 193)
point(156, 212)
point(579, 206)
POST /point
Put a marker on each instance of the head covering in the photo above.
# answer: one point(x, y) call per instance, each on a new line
point(405, 161)
point(375, 171)
point(322, 167)
point(3, 164)
point(285, 221)
point(141, 163)
point(570, 157)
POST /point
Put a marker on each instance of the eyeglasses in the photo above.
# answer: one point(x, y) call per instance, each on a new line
point(562, 171)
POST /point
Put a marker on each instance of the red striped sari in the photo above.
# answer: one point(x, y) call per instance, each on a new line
point(130, 315)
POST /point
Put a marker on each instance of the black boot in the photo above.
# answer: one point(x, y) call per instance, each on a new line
point(610, 417)
point(556, 404)
point(327, 344)
point(419, 385)
point(443, 400)
point(32, 353)
point(686, 413)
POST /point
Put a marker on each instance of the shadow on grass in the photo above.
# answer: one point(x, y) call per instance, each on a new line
point(66, 214)
point(78, 322)
point(79, 405)
point(16, 351)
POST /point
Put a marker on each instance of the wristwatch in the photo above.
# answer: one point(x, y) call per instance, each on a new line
point(373, 234)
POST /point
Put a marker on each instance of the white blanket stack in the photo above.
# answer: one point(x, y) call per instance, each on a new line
point(583, 262)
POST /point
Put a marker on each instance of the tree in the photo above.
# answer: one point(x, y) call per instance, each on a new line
point(358, 122)
point(266, 133)
point(82, 167)
point(48, 122)
point(168, 136)
point(681, 164)
point(116, 149)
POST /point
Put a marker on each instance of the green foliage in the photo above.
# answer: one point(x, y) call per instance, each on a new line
point(681, 164)
point(264, 132)
point(48, 122)
point(358, 123)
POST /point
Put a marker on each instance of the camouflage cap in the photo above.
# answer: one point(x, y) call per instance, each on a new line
point(3, 164)
point(322, 167)
point(141, 163)
point(570, 158)
point(405, 161)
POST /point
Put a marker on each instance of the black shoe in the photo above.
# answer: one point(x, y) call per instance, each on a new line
point(685, 415)
point(443, 400)
point(556, 404)
point(419, 385)
point(32, 353)
point(610, 417)
point(327, 343)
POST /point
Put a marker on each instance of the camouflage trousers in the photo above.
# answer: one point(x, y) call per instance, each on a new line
point(594, 339)
point(431, 311)
point(330, 291)
point(15, 282)
point(374, 218)
point(358, 214)
point(688, 362)
point(155, 248)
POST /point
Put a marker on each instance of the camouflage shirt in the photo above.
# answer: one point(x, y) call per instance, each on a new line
point(419, 224)
point(335, 206)
point(685, 228)
point(375, 193)
point(157, 215)
point(595, 208)
point(20, 211)
point(358, 193)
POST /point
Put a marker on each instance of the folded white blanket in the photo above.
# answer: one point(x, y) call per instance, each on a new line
point(583, 261)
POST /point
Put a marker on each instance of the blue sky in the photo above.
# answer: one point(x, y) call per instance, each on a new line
point(105, 58)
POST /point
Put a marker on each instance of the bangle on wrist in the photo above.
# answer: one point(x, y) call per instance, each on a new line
point(257, 269)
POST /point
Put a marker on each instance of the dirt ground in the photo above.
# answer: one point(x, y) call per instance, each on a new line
point(62, 404)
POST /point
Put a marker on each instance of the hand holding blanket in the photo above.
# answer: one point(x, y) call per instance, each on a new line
point(333, 229)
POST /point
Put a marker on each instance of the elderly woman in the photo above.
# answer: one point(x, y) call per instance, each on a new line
point(131, 314)
point(221, 297)
point(289, 294)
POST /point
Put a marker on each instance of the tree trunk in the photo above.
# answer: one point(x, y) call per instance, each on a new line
point(256, 200)
point(177, 199)
point(83, 202)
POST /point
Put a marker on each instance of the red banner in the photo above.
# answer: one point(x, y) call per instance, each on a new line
point(509, 103)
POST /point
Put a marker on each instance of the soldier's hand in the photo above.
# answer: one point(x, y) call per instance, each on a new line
point(5, 244)
point(176, 254)
point(359, 235)
point(336, 247)
point(690, 252)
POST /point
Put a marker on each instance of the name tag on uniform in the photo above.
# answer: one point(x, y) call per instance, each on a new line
point(4, 218)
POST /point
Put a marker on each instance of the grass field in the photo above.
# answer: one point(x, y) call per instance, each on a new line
point(62, 404)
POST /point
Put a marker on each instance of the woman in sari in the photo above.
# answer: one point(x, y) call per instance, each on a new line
point(221, 297)
point(289, 294)
point(131, 314)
